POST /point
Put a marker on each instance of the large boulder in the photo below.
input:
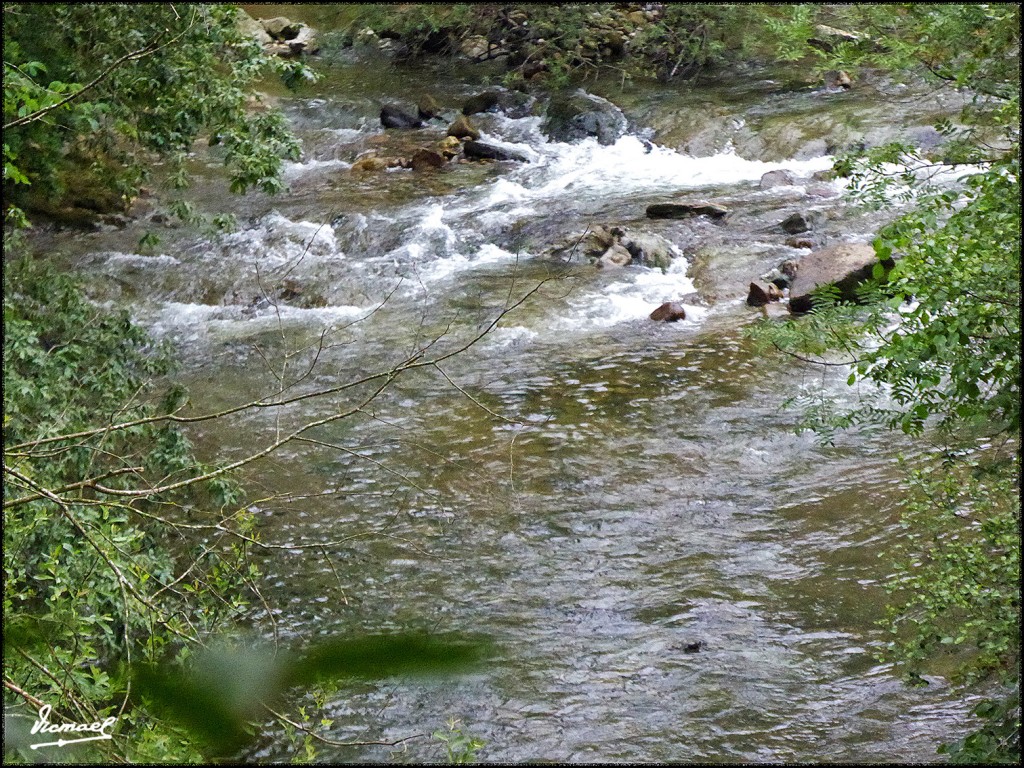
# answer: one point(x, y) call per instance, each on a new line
point(249, 27)
point(580, 115)
point(482, 151)
point(843, 265)
point(685, 210)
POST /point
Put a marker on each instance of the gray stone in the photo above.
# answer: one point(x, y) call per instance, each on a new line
point(581, 115)
point(281, 28)
point(803, 221)
point(649, 250)
point(843, 265)
point(778, 178)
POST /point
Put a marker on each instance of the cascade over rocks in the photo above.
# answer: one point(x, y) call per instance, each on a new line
point(580, 115)
point(609, 246)
point(843, 265)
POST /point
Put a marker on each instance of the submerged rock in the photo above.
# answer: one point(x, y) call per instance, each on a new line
point(843, 265)
point(649, 249)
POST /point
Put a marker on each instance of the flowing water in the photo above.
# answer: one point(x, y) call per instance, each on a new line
point(669, 571)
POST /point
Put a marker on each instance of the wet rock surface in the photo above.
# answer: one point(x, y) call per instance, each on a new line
point(843, 265)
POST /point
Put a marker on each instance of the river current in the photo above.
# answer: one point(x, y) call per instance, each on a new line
point(669, 572)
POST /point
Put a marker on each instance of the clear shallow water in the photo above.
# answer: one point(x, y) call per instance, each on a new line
point(595, 491)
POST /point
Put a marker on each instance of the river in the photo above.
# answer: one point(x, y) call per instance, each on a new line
point(670, 573)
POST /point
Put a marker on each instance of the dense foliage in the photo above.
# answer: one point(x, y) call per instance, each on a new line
point(940, 340)
point(96, 578)
point(91, 91)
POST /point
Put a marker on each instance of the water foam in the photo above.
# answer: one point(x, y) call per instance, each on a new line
point(589, 170)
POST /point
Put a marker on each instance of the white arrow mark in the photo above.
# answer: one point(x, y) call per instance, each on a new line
point(65, 742)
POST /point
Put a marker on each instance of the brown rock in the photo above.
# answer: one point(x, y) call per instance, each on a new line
point(427, 107)
point(462, 128)
point(449, 146)
point(426, 159)
point(369, 163)
point(774, 292)
point(669, 312)
point(802, 242)
point(837, 78)
point(758, 296)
